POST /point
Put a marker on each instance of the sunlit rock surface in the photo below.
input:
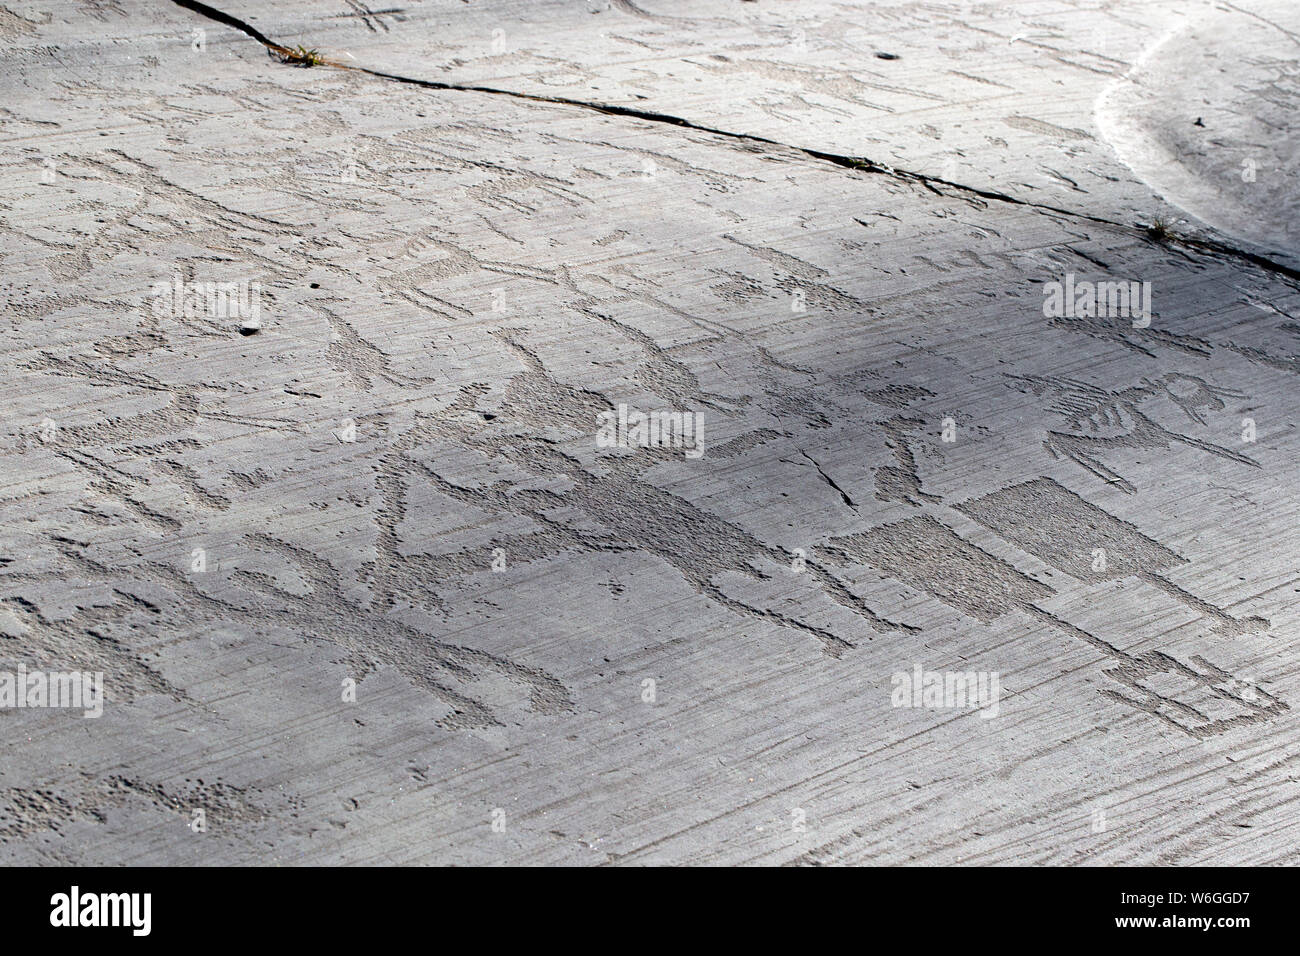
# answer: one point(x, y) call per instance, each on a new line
point(312, 375)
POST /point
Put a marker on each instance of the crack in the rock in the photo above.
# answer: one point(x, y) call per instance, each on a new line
point(859, 163)
point(830, 481)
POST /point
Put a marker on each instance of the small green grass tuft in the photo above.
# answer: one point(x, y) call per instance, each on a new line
point(301, 56)
point(1159, 230)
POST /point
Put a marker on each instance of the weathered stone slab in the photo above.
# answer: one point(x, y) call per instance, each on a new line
point(365, 582)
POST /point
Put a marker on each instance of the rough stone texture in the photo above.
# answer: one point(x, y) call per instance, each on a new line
point(397, 479)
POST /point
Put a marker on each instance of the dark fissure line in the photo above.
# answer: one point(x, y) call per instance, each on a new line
point(830, 481)
point(861, 164)
point(212, 13)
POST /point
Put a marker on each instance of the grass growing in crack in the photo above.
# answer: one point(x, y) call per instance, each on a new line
point(301, 56)
point(1159, 231)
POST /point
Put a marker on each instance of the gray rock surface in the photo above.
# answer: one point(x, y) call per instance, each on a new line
point(389, 483)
